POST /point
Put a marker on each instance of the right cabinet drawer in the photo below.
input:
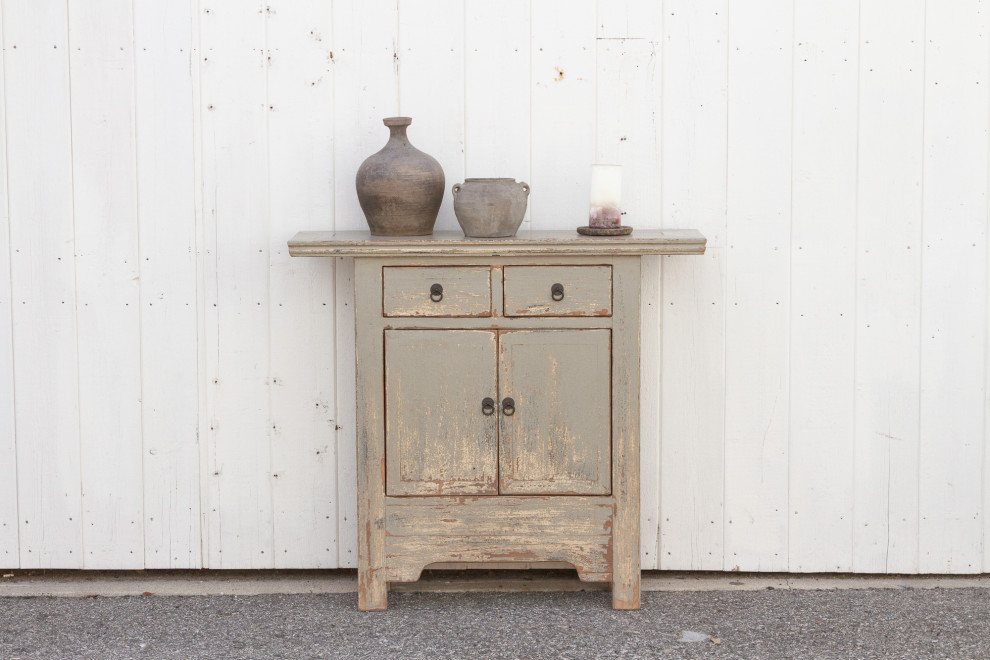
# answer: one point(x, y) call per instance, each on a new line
point(557, 291)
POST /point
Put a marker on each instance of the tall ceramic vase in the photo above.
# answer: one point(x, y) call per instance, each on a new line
point(400, 187)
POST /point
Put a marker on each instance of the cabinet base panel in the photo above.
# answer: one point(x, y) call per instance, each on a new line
point(429, 530)
point(591, 557)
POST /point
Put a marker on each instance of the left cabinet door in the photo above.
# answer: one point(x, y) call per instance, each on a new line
point(438, 438)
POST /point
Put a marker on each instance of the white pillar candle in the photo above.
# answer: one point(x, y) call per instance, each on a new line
point(606, 196)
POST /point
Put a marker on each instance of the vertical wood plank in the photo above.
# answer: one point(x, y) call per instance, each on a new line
point(630, 19)
point(36, 78)
point(563, 101)
point(9, 551)
point(236, 203)
point(953, 288)
point(101, 61)
point(372, 587)
point(300, 89)
point(168, 224)
point(628, 133)
point(692, 344)
point(625, 434)
point(345, 385)
point(431, 87)
point(651, 308)
point(365, 38)
point(496, 91)
point(823, 285)
point(757, 303)
point(888, 282)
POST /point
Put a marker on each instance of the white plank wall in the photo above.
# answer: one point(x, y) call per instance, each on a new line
point(954, 288)
point(692, 325)
point(628, 133)
point(177, 392)
point(823, 277)
point(9, 550)
point(39, 171)
point(757, 302)
point(167, 212)
point(888, 291)
point(108, 281)
point(235, 110)
point(303, 452)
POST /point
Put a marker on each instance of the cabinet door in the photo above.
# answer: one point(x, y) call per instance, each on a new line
point(557, 438)
point(438, 439)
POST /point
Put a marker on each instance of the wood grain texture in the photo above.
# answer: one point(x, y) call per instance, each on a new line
point(625, 432)
point(361, 243)
point(576, 530)
point(301, 307)
point(466, 291)
point(953, 402)
point(107, 284)
point(650, 393)
point(757, 302)
point(694, 125)
point(346, 414)
point(236, 197)
point(9, 544)
point(437, 439)
point(370, 366)
point(557, 439)
point(587, 290)
point(42, 273)
point(168, 230)
point(823, 286)
point(888, 342)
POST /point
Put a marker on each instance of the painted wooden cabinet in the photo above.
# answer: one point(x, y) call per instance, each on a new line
point(497, 401)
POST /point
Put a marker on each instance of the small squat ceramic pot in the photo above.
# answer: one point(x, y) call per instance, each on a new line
point(490, 208)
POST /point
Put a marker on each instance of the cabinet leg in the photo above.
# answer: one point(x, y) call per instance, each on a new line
point(372, 591)
point(625, 592)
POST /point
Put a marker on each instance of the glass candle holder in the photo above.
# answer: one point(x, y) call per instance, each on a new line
point(606, 196)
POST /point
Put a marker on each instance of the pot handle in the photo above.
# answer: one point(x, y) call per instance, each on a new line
point(525, 187)
point(456, 189)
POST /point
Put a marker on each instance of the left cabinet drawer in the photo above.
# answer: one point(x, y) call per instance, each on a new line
point(437, 291)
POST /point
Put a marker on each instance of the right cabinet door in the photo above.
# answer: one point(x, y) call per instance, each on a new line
point(555, 418)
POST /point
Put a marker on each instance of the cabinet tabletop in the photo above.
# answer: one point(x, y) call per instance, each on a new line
point(454, 243)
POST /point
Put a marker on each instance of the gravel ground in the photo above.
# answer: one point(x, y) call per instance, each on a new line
point(871, 623)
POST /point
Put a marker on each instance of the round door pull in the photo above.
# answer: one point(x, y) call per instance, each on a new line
point(557, 291)
point(508, 406)
point(436, 293)
point(488, 406)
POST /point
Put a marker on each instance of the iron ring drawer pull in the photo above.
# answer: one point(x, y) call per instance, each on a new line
point(488, 406)
point(508, 406)
point(557, 292)
point(436, 293)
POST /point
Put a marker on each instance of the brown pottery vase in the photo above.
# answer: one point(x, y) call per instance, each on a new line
point(400, 188)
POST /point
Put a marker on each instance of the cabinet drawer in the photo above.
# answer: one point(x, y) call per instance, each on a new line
point(429, 291)
point(534, 290)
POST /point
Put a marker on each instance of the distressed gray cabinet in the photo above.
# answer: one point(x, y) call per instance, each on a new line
point(497, 400)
